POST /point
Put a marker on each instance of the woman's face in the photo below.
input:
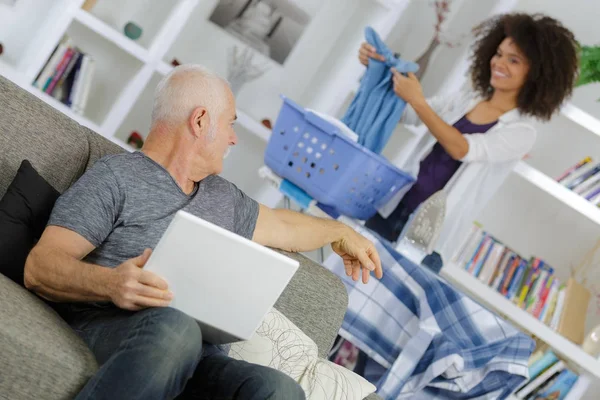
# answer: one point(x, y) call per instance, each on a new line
point(509, 67)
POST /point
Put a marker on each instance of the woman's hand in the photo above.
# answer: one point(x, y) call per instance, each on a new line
point(408, 88)
point(367, 51)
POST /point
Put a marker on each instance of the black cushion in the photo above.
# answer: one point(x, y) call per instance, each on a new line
point(24, 211)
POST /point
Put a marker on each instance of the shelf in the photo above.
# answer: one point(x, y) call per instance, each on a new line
point(112, 35)
point(558, 191)
point(253, 126)
point(581, 117)
point(497, 303)
point(163, 68)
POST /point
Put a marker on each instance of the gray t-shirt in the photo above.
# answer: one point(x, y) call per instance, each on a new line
point(125, 202)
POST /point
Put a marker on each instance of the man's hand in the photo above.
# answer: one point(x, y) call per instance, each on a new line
point(358, 253)
point(367, 51)
point(408, 88)
point(134, 289)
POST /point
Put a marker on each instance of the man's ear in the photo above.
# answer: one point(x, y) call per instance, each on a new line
point(199, 122)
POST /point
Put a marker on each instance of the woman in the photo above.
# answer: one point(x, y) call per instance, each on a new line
point(523, 68)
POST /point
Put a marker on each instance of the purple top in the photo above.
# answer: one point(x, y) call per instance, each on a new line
point(438, 167)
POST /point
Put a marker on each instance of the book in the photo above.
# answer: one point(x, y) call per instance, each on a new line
point(539, 380)
point(491, 264)
point(532, 276)
point(560, 387)
point(499, 266)
point(51, 64)
point(485, 252)
point(477, 253)
point(587, 184)
point(516, 280)
point(550, 303)
point(89, 74)
point(510, 257)
point(60, 70)
point(559, 307)
point(537, 310)
point(548, 359)
point(510, 272)
point(583, 177)
point(574, 168)
point(577, 174)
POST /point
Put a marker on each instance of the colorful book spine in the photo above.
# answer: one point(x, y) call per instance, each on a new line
point(582, 178)
point(560, 387)
point(542, 364)
point(509, 275)
point(537, 310)
point(533, 273)
point(517, 280)
point(477, 252)
point(574, 168)
point(550, 302)
point(486, 253)
point(60, 70)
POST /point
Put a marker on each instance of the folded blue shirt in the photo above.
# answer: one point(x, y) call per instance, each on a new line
point(376, 109)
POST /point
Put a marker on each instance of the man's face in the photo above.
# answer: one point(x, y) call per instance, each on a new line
point(221, 135)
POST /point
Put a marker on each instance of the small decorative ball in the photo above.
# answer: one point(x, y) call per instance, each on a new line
point(135, 140)
point(1, 48)
point(175, 62)
point(267, 123)
point(132, 31)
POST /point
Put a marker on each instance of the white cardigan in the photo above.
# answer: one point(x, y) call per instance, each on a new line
point(489, 160)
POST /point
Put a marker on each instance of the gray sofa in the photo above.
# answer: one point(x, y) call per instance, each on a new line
point(41, 357)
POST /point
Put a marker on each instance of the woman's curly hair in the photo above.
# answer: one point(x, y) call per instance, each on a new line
point(550, 49)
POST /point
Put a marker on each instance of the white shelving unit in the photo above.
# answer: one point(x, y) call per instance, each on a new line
point(520, 318)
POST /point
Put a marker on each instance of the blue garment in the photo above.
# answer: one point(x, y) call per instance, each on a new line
point(376, 109)
point(157, 353)
point(435, 342)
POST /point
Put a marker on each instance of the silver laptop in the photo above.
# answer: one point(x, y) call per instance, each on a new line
point(226, 282)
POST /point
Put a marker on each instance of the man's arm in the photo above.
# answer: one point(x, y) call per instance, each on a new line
point(292, 231)
point(54, 270)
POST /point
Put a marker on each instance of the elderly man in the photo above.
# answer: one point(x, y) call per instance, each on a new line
point(93, 251)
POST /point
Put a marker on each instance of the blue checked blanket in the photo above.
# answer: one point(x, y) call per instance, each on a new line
point(435, 342)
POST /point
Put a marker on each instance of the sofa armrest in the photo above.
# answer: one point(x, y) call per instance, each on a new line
point(42, 358)
point(316, 301)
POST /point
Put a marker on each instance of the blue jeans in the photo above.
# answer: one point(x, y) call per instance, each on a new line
point(157, 353)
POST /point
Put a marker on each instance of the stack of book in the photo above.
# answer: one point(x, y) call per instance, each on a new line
point(584, 179)
point(550, 378)
point(529, 283)
point(67, 75)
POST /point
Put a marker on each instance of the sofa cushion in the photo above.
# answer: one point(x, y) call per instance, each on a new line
point(42, 357)
point(278, 343)
point(24, 212)
point(59, 147)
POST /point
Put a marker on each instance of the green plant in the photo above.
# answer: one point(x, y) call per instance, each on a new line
point(589, 65)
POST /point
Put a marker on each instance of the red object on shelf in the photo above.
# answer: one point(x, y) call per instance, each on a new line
point(175, 62)
point(267, 122)
point(135, 140)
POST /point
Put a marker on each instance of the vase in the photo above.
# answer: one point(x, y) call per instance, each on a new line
point(591, 343)
point(423, 61)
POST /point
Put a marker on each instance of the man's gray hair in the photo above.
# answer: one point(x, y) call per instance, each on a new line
point(184, 88)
